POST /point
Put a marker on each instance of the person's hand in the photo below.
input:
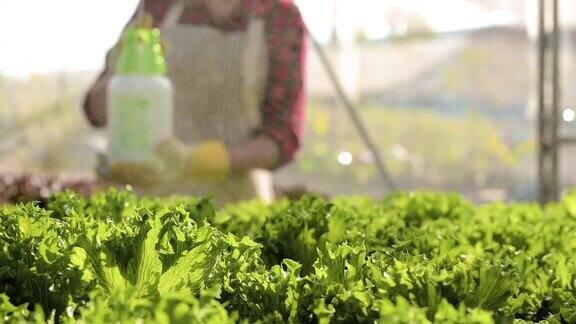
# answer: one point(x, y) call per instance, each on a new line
point(142, 174)
point(145, 20)
point(207, 163)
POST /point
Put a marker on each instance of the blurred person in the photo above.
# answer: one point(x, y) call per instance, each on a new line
point(237, 67)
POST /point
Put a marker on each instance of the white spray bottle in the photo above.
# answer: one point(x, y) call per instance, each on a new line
point(140, 98)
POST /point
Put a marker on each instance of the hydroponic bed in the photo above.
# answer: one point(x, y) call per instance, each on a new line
point(410, 258)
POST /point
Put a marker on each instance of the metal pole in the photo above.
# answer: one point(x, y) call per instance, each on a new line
point(543, 149)
point(555, 114)
point(387, 179)
point(548, 100)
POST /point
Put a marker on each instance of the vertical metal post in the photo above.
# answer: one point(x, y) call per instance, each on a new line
point(555, 102)
point(542, 185)
point(548, 100)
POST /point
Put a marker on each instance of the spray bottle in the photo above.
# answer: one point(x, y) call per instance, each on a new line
point(140, 98)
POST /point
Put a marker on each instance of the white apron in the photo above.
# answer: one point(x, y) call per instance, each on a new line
point(219, 80)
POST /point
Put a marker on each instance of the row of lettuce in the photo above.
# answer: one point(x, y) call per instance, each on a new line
point(410, 258)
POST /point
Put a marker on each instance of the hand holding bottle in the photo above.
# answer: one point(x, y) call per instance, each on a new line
point(206, 163)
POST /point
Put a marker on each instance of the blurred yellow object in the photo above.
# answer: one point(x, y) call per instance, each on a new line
point(207, 163)
point(321, 123)
point(141, 174)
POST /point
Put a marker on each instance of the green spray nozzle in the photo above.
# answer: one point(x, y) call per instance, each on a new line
point(141, 53)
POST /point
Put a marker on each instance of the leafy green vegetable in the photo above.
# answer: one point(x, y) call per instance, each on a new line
point(417, 257)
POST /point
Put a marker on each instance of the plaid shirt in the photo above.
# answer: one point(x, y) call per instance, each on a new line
point(283, 106)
